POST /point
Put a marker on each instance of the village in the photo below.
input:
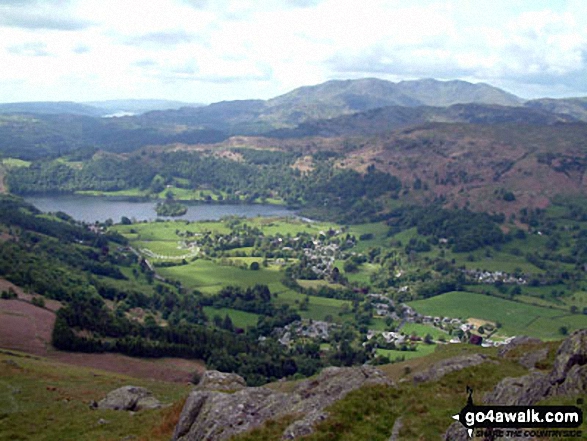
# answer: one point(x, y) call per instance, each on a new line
point(457, 331)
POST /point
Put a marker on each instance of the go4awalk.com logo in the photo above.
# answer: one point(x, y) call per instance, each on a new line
point(515, 421)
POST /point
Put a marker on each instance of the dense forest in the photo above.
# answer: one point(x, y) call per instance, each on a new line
point(341, 194)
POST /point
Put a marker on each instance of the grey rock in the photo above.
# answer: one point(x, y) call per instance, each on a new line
point(575, 383)
point(520, 391)
point(397, 426)
point(530, 359)
point(218, 415)
point(440, 369)
point(456, 432)
point(517, 341)
point(305, 426)
point(129, 398)
point(568, 377)
point(573, 351)
point(216, 380)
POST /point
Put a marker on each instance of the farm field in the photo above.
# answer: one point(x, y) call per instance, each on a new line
point(378, 231)
point(240, 319)
point(516, 318)
point(319, 308)
point(421, 330)
point(421, 351)
point(209, 277)
point(167, 231)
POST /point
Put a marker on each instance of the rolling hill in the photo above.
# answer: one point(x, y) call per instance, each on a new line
point(386, 119)
point(575, 107)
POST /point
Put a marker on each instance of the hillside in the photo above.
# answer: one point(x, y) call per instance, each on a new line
point(138, 106)
point(387, 119)
point(575, 107)
point(51, 108)
point(335, 98)
point(474, 165)
point(362, 107)
point(332, 99)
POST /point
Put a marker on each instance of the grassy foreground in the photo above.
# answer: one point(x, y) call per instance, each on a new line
point(45, 400)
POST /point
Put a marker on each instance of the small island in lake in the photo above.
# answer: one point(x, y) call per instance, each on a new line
point(170, 208)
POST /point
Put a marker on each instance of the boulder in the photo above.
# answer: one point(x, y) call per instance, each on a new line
point(530, 359)
point(218, 415)
point(131, 398)
point(572, 352)
point(216, 380)
point(456, 432)
point(522, 391)
point(212, 415)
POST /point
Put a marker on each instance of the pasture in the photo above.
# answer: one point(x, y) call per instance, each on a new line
point(240, 319)
point(516, 318)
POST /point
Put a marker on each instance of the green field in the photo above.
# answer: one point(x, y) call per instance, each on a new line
point(378, 230)
point(15, 163)
point(240, 319)
point(167, 231)
point(319, 307)
point(421, 350)
point(516, 318)
point(421, 330)
point(209, 277)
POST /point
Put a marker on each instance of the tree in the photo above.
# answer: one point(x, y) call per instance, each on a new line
point(227, 323)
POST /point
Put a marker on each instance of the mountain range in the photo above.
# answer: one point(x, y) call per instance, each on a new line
point(464, 142)
point(309, 103)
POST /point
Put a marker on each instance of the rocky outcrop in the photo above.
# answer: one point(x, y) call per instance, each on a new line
point(214, 414)
point(530, 359)
point(568, 377)
point(440, 369)
point(215, 380)
point(456, 432)
point(130, 398)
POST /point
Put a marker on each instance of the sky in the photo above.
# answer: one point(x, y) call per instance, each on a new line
point(205, 51)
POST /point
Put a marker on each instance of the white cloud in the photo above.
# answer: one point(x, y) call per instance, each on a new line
point(199, 50)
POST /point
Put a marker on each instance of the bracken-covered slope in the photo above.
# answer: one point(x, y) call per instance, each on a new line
point(476, 165)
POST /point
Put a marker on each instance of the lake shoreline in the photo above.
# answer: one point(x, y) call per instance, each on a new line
point(92, 209)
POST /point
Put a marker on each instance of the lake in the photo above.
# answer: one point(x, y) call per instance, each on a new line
point(95, 208)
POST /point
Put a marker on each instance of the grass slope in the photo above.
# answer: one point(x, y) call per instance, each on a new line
point(46, 400)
